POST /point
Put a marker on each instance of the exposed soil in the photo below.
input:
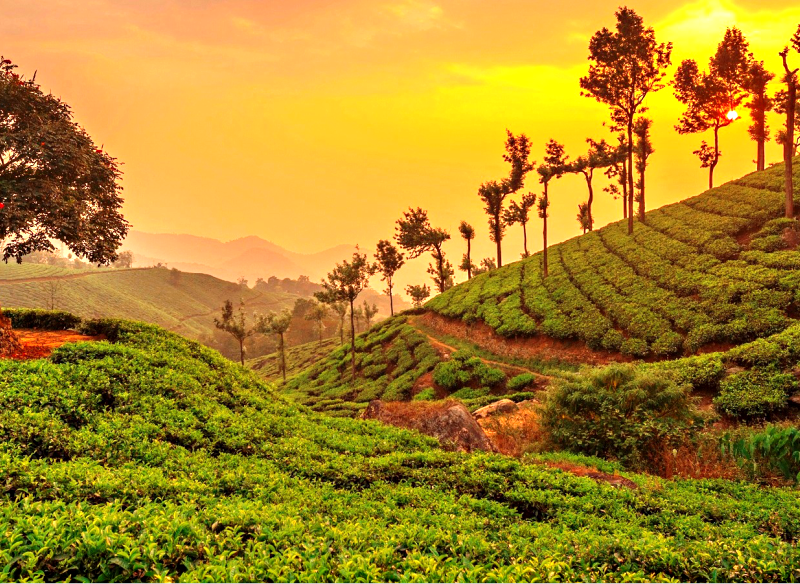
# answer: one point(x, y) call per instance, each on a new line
point(583, 471)
point(538, 347)
point(37, 344)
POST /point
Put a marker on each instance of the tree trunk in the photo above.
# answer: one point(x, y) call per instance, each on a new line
point(789, 145)
point(630, 176)
point(391, 301)
point(498, 239)
point(544, 235)
point(353, 340)
point(641, 192)
point(760, 157)
point(341, 330)
point(713, 164)
point(525, 238)
point(469, 260)
point(241, 351)
point(283, 356)
point(589, 201)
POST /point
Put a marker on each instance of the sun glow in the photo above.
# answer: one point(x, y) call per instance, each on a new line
point(732, 115)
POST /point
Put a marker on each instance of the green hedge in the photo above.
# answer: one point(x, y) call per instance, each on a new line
point(55, 320)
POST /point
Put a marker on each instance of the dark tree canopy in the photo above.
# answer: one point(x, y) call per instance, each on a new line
point(600, 155)
point(415, 234)
point(468, 234)
point(55, 183)
point(235, 324)
point(519, 214)
point(389, 261)
point(759, 105)
point(556, 163)
point(418, 293)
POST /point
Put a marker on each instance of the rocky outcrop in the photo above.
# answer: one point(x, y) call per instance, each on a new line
point(449, 422)
point(503, 406)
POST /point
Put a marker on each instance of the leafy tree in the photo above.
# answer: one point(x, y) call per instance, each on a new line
point(518, 213)
point(600, 155)
point(642, 151)
point(584, 218)
point(124, 260)
point(493, 195)
point(54, 287)
point(415, 234)
point(780, 103)
point(389, 259)
point(277, 324)
point(759, 105)
point(317, 314)
point(518, 153)
point(789, 108)
point(487, 265)
point(344, 284)
point(236, 325)
point(627, 65)
point(418, 294)
point(468, 234)
point(369, 313)
point(554, 166)
point(340, 308)
point(711, 97)
point(358, 317)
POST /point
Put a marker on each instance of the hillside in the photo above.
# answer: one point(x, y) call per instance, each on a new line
point(298, 358)
point(710, 272)
point(181, 302)
point(167, 462)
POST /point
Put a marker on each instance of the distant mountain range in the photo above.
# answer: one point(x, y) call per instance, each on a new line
point(249, 257)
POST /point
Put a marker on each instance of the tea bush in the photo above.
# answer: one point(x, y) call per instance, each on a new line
point(755, 393)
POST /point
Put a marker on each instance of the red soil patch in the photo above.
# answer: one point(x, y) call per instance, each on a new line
point(583, 471)
point(539, 347)
point(37, 344)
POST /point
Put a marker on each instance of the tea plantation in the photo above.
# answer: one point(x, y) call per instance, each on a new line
point(716, 268)
point(150, 457)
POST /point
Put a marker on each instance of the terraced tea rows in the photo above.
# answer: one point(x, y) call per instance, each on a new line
point(717, 268)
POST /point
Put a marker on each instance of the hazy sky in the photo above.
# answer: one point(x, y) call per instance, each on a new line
point(313, 123)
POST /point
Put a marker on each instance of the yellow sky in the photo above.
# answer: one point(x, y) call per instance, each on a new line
point(313, 123)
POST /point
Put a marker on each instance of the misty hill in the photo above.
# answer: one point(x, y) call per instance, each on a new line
point(250, 257)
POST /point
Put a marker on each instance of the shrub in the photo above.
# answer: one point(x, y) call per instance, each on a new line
point(53, 320)
point(618, 412)
point(724, 248)
point(768, 243)
point(772, 449)
point(635, 348)
point(521, 381)
point(427, 394)
point(755, 393)
point(701, 372)
point(612, 340)
point(465, 369)
point(668, 344)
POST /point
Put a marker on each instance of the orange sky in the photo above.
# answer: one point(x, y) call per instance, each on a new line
point(313, 123)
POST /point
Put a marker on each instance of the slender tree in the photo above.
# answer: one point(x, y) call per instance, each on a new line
point(486, 265)
point(493, 195)
point(519, 213)
point(468, 234)
point(369, 313)
point(599, 155)
point(317, 314)
point(789, 107)
point(555, 165)
point(236, 325)
point(389, 259)
point(415, 234)
point(418, 293)
point(759, 105)
point(642, 151)
point(277, 324)
point(618, 171)
point(344, 284)
point(626, 66)
point(340, 308)
point(711, 97)
point(584, 218)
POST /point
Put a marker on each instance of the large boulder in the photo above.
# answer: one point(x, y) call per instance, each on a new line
point(448, 421)
point(503, 406)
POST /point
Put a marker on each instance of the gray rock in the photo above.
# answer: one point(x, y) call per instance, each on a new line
point(499, 407)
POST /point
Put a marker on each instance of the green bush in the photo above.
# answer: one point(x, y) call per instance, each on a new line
point(521, 381)
point(773, 449)
point(618, 412)
point(768, 243)
point(427, 394)
point(755, 393)
point(54, 320)
point(668, 344)
point(635, 348)
point(465, 369)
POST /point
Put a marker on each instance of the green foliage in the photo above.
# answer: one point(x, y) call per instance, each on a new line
point(618, 412)
point(774, 449)
point(465, 369)
point(755, 393)
point(521, 381)
point(427, 394)
point(54, 320)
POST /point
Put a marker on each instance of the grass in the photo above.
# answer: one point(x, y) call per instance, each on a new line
point(154, 458)
point(298, 358)
point(681, 283)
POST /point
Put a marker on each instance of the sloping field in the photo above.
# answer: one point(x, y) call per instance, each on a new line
point(298, 358)
point(718, 268)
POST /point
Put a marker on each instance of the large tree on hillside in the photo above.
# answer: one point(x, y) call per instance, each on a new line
point(626, 66)
point(418, 293)
point(760, 104)
point(519, 213)
point(276, 324)
point(389, 259)
point(415, 234)
point(467, 234)
point(235, 324)
point(643, 149)
point(343, 284)
point(599, 155)
point(789, 107)
point(711, 97)
point(554, 166)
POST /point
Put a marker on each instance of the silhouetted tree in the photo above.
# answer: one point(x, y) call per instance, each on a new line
point(468, 234)
point(486, 265)
point(642, 151)
point(711, 98)
point(277, 324)
point(418, 294)
point(600, 155)
point(415, 234)
point(389, 261)
point(584, 218)
point(317, 314)
point(493, 195)
point(555, 165)
point(627, 65)
point(759, 105)
point(369, 313)
point(344, 284)
point(618, 171)
point(519, 213)
point(236, 325)
point(789, 107)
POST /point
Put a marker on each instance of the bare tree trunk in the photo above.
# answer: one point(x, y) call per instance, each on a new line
point(713, 164)
point(544, 234)
point(241, 351)
point(641, 193)
point(353, 340)
point(630, 176)
point(391, 300)
point(525, 239)
point(760, 157)
point(469, 260)
point(788, 145)
point(498, 239)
